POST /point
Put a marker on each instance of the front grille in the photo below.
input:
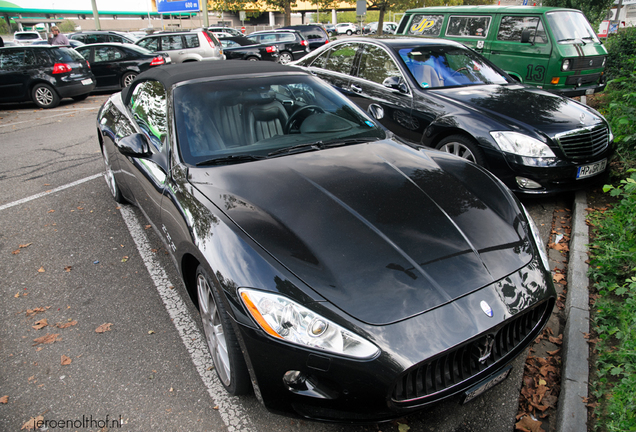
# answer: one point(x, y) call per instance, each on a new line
point(582, 63)
point(469, 360)
point(584, 143)
point(582, 79)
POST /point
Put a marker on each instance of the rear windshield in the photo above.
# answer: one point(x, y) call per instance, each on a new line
point(26, 36)
point(63, 54)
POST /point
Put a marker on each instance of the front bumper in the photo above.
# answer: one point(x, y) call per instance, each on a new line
point(406, 376)
point(554, 175)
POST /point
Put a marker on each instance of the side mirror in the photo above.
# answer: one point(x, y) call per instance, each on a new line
point(525, 36)
point(135, 145)
point(395, 83)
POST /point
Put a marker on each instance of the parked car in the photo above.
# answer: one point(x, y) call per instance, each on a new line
point(242, 48)
point(26, 37)
point(341, 273)
point(71, 42)
point(184, 46)
point(388, 27)
point(440, 94)
point(291, 44)
point(552, 48)
point(347, 28)
point(316, 35)
point(102, 36)
point(115, 65)
point(221, 29)
point(43, 74)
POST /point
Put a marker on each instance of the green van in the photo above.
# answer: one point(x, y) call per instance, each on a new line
point(552, 48)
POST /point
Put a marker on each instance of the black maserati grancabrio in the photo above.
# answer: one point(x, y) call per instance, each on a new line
point(343, 274)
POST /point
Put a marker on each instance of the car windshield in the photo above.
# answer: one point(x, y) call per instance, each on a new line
point(243, 119)
point(447, 66)
point(571, 27)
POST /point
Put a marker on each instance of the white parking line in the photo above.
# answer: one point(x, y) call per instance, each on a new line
point(48, 117)
point(230, 409)
point(57, 189)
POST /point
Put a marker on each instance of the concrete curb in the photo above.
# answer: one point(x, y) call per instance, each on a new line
point(571, 409)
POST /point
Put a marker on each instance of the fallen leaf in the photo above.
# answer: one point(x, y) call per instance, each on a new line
point(34, 311)
point(15, 252)
point(67, 268)
point(403, 427)
point(558, 278)
point(148, 227)
point(17, 295)
point(40, 324)
point(41, 270)
point(66, 360)
point(4, 399)
point(124, 259)
point(46, 339)
point(528, 424)
point(151, 332)
point(103, 328)
point(556, 340)
point(51, 211)
point(65, 325)
point(32, 423)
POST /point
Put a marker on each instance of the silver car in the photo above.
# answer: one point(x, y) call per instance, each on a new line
point(185, 46)
point(26, 37)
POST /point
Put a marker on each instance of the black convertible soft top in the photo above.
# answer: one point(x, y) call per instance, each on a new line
point(169, 75)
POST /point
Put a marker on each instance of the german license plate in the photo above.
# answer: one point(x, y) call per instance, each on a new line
point(486, 385)
point(591, 169)
point(87, 81)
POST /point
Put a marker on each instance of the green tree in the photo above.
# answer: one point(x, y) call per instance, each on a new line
point(594, 10)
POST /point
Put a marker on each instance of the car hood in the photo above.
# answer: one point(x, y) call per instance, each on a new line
point(518, 105)
point(381, 230)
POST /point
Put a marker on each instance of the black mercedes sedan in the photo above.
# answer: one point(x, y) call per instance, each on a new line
point(116, 65)
point(443, 95)
point(339, 273)
point(242, 48)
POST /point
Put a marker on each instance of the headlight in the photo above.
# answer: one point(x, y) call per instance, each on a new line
point(522, 145)
point(537, 238)
point(285, 319)
point(566, 65)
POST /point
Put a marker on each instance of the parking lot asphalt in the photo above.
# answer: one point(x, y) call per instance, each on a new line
point(90, 264)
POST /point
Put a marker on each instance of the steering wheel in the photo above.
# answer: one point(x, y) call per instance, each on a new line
point(295, 116)
point(456, 72)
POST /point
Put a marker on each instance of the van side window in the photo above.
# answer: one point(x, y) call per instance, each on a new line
point(471, 26)
point(511, 28)
point(426, 25)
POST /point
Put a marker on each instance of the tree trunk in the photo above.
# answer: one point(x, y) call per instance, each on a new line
point(381, 20)
point(287, 13)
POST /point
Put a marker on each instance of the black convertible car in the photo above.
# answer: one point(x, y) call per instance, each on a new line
point(341, 273)
point(441, 94)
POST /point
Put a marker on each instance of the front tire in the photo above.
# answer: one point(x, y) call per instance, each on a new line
point(252, 58)
point(285, 57)
point(45, 96)
point(109, 175)
point(464, 147)
point(220, 338)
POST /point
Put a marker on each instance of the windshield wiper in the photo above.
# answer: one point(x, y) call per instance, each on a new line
point(319, 145)
point(298, 148)
point(230, 159)
point(573, 39)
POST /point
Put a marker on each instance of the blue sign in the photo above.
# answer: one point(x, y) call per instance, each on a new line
point(525, 2)
point(166, 6)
